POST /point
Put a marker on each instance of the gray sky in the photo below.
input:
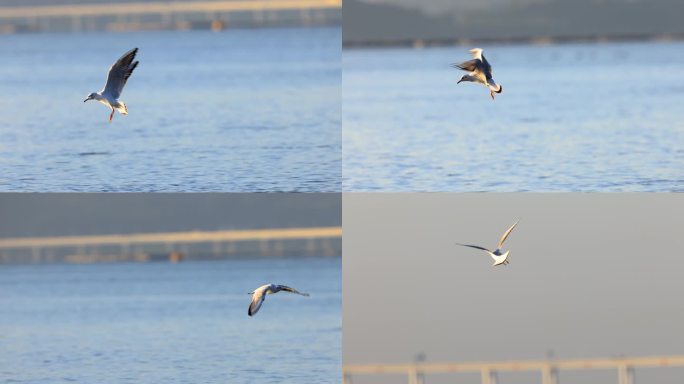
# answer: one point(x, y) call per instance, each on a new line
point(590, 275)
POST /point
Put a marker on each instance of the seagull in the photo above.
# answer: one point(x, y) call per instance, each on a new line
point(119, 73)
point(480, 72)
point(259, 295)
point(499, 258)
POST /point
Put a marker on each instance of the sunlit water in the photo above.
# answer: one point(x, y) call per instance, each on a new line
point(572, 117)
point(170, 323)
point(240, 110)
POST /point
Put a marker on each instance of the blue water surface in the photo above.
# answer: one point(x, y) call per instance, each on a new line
point(239, 110)
point(572, 117)
point(170, 323)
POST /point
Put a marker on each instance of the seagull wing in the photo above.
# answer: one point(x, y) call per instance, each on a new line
point(257, 299)
point(475, 246)
point(119, 73)
point(505, 235)
point(470, 65)
point(486, 68)
point(291, 290)
point(476, 53)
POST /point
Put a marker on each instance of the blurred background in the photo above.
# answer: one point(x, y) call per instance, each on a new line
point(152, 288)
point(443, 21)
point(55, 228)
point(237, 96)
point(135, 15)
point(580, 108)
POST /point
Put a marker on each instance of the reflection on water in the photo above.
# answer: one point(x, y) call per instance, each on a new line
point(240, 110)
point(174, 323)
point(573, 117)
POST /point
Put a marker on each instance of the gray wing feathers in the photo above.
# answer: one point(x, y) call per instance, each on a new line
point(486, 67)
point(291, 290)
point(470, 65)
point(119, 73)
point(474, 246)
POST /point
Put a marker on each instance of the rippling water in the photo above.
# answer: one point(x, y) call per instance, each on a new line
point(572, 117)
point(241, 110)
point(170, 323)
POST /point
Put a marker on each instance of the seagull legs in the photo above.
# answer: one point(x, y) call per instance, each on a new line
point(491, 93)
point(111, 115)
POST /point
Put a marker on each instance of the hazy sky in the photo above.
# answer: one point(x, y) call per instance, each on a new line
point(452, 5)
point(590, 275)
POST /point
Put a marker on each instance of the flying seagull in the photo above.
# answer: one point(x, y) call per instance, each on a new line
point(499, 258)
point(480, 72)
point(259, 295)
point(119, 73)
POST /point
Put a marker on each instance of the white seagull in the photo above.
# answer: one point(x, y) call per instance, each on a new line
point(259, 295)
point(480, 72)
point(119, 73)
point(499, 258)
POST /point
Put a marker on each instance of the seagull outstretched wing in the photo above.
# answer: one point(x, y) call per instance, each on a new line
point(119, 73)
point(291, 290)
point(470, 65)
point(486, 68)
point(475, 246)
point(257, 300)
point(508, 232)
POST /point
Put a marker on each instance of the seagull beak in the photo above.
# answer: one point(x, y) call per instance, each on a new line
point(86, 99)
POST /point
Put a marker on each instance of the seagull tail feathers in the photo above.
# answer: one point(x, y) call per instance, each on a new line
point(121, 108)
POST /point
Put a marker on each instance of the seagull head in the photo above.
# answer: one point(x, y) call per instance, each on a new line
point(90, 97)
point(466, 78)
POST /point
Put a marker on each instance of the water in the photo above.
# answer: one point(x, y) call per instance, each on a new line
point(170, 323)
point(572, 117)
point(241, 110)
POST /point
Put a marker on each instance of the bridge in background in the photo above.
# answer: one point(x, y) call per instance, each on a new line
point(169, 15)
point(311, 241)
point(548, 369)
point(161, 8)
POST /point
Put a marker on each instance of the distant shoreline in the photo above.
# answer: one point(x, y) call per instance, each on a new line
point(537, 40)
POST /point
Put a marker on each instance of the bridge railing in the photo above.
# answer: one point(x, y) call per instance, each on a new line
point(320, 241)
point(161, 7)
point(172, 237)
point(548, 369)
